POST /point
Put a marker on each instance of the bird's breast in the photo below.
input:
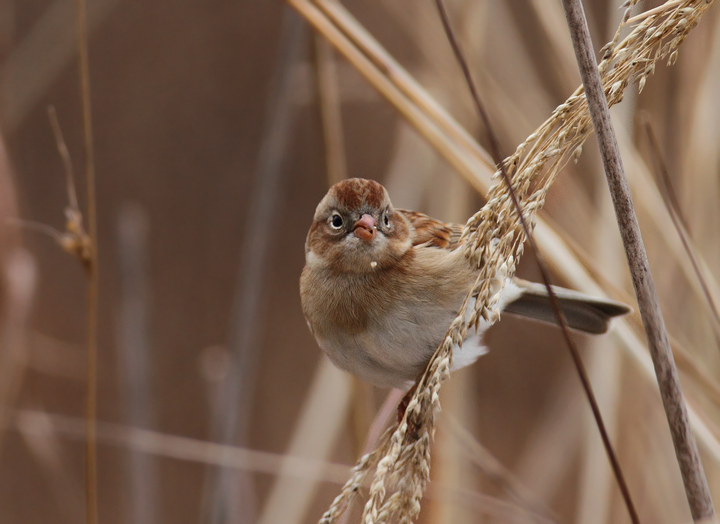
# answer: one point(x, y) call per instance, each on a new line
point(383, 326)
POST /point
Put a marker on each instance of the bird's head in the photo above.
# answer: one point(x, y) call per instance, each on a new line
point(356, 229)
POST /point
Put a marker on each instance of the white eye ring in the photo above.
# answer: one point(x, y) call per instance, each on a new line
point(386, 220)
point(336, 221)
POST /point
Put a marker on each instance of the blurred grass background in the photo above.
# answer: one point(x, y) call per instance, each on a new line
point(211, 154)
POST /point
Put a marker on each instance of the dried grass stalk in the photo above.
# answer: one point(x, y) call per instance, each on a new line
point(91, 265)
point(495, 239)
point(688, 457)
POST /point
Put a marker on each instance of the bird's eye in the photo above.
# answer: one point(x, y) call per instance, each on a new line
point(386, 220)
point(336, 221)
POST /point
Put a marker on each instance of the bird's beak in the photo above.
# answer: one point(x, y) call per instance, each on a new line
point(365, 228)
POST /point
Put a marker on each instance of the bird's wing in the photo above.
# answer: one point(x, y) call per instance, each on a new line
point(581, 312)
point(431, 232)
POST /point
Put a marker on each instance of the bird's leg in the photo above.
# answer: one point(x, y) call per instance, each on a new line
point(402, 407)
point(413, 425)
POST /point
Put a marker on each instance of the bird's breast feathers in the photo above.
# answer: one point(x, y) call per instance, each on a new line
point(384, 329)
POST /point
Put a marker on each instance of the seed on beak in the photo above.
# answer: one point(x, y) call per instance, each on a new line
point(365, 228)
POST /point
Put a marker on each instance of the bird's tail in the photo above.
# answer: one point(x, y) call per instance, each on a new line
point(581, 312)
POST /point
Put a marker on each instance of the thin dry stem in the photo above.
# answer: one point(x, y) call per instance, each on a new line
point(92, 269)
point(444, 133)
point(673, 207)
point(407, 85)
point(655, 11)
point(19, 276)
point(691, 469)
point(227, 492)
point(65, 156)
point(75, 240)
point(494, 469)
point(330, 110)
point(179, 448)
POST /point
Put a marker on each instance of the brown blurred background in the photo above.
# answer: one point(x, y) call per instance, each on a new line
point(210, 159)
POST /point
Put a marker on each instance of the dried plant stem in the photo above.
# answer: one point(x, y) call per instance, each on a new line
point(330, 110)
point(19, 274)
point(134, 353)
point(410, 88)
point(579, 366)
point(179, 448)
point(676, 215)
point(92, 269)
point(229, 492)
point(395, 84)
point(696, 487)
point(65, 156)
point(494, 470)
point(319, 424)
point(651, 12)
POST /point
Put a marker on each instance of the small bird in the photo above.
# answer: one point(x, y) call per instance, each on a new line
point(381, 286)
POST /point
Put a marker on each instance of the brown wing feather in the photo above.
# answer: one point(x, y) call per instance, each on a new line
point(432, 232)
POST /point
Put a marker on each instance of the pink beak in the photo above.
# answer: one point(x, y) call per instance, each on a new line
point(365, 228)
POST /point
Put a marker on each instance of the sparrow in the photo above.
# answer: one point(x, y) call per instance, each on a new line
point(381, 286)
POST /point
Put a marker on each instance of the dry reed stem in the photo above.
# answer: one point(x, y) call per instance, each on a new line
point(19, 278)
point(330, 110)
point(493, 469)
point(41, 55)
point(134, 355)
point(494, 242)
point(314, 436)
point(407, 85)
point(673, 206)
point(433, 122)
point(92, 270)
point(564, 261)
point(179, 448)
point(649, 197)
point(228, 492)
point(683, 357)
point(691, 469)
point(74, 240)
